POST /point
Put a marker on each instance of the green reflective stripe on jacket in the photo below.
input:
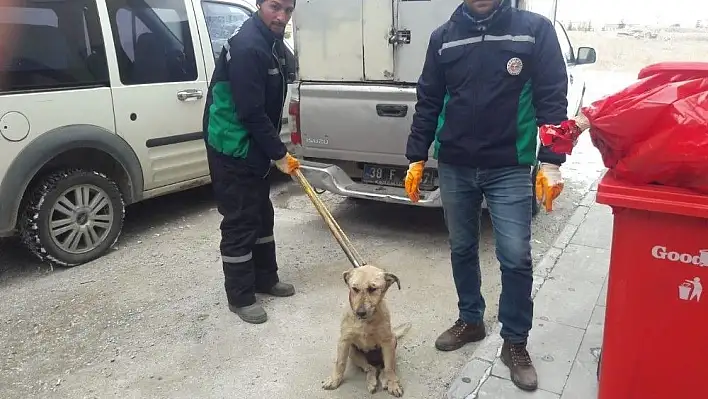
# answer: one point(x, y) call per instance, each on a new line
point(526, 128)
point(226, 134)
point(441, 122)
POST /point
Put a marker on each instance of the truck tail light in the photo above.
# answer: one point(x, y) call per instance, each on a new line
point(294, 112)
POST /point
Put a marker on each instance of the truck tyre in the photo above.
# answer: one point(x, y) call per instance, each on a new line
point(72, 217)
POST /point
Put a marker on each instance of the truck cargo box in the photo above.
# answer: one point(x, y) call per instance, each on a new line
point(372, 40)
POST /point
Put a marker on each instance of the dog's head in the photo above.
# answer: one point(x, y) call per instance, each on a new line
point(367, 287)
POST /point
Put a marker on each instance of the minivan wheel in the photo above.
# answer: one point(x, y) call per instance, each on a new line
point(72, 217)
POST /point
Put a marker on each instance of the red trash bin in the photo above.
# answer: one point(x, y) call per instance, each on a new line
point(655, 343)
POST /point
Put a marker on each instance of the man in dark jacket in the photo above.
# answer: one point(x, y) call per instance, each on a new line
point(492, 75)
point(242, 121)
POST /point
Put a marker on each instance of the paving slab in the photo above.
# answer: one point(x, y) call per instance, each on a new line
point(553, 348)
point(602, 299)
point(567, 301)
point(468, 379)
point(582, 382)
point(597, 228)
point(583, 264)
point(570, 287)
point(498, 388)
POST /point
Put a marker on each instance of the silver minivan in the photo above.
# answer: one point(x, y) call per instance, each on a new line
point(101, 106)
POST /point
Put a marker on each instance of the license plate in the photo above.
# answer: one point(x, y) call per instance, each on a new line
point(394, 176)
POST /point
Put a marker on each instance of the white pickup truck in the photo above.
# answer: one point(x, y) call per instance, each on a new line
point(352, 107)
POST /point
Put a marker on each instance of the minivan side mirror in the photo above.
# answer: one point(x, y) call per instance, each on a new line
point(586, 55)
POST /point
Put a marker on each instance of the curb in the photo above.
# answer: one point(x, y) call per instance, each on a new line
point(476, 372)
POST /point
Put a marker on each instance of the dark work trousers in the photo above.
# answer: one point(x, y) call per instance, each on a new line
point(247, 243)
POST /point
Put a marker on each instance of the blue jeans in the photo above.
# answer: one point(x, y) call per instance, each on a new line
point(509, 196)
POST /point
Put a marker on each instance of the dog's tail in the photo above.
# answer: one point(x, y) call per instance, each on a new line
point(401, 330)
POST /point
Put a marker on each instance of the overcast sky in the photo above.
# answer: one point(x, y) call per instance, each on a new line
point(633, 11)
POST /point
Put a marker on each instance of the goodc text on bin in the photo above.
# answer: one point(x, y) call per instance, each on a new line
point(700, 259)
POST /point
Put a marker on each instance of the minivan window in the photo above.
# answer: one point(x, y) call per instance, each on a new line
point(46, 54)
point(153, 41)
point(29, 16)
point(222, 21)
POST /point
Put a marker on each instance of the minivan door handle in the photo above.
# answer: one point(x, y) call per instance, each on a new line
point(392, 110)
point(190, 94)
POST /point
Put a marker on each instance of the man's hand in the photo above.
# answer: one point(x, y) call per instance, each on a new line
point(287, 164)
point(549, 184)
point(562, 138)
point(413, 178)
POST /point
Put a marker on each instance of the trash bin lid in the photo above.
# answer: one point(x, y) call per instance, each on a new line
point(651, 197)
point(697, 69)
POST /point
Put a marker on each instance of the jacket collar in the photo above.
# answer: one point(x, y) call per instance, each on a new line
point(464, 16)
point(265, 31)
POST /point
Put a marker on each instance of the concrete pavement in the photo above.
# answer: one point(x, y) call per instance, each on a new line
point(570, 292)
point(149, 320)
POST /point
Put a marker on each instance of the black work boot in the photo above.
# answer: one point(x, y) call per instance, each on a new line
point(460, 334)
point(267, 281)
point(254, 314)
point(238, 282)
point(517, 358)
point(279, 289)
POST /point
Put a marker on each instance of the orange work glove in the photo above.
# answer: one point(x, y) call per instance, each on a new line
point(413, 178)
point(549, 184)
point(287, 164)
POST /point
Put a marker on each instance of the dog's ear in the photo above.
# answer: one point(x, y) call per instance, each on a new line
point(390, 279)
point(346, 276)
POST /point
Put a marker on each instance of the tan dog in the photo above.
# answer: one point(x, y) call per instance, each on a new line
point(366, 336)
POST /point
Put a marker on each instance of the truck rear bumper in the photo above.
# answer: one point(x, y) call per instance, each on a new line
point(335, 180)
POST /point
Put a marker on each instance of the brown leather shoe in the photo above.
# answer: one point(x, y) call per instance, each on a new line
point(523, 373)
point(460, 334)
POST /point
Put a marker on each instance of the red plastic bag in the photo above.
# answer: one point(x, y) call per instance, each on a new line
point(561, 138)
point(655, 131)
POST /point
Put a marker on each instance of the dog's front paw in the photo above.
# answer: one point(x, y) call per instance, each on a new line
point(395, 389)
point(372, 382)
point(332, 383)
point(393, 386)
